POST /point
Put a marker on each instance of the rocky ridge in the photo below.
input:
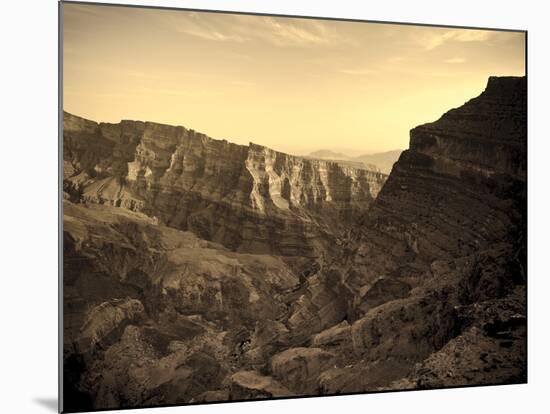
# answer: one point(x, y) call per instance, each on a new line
point(248, 198)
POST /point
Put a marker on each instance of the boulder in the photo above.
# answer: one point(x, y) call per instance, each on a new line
point(105, 321)
point(252, 385)
point(336, 336)
point(299, 368)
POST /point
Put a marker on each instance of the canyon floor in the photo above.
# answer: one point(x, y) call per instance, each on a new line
point(197, 270)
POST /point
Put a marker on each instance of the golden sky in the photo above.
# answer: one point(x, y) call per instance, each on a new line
point(295, 85)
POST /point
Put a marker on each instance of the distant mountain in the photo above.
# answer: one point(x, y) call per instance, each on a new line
point(381, 161)
point(328, 155)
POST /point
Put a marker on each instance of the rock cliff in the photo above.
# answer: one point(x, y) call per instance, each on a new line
point(198, 270)
point(248, 198)
point(459, 189)
point(445, 238)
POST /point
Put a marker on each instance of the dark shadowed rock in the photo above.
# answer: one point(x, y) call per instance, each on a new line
point(383, 290)
point(299, 368)
point(104, 320)
point(212, 396)
point(336, 336)
point(251, 384)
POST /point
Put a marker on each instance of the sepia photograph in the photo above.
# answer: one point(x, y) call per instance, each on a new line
point(261, 206)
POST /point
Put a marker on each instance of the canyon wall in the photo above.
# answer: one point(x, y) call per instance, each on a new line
point(432, 278)
point(459, 189)
point(248, 198)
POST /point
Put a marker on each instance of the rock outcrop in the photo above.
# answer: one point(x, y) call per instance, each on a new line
point(300, 368)
point(104, 320)
point(196, 270)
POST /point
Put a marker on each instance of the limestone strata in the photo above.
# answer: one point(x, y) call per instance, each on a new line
point(446, 232)
point(459, 189)
point(248, 198)
point(487, 135)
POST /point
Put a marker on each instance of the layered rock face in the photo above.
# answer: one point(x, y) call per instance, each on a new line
point(249, 199)
point(459, 189)
point(438, 263)
point(197, 270)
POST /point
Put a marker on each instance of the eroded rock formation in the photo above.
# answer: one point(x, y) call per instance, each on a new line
point(248, 198)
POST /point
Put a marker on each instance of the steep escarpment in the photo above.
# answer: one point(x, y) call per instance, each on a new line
point(459, 189)
point(444, 239)
point(248, 198)
point(486, 135)
point(198, 270)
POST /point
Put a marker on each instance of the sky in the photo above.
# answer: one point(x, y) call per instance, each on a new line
point(294, 85)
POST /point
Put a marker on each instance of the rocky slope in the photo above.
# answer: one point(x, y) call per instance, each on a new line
point(148, 307)
point(174, 293)
point(248, 198)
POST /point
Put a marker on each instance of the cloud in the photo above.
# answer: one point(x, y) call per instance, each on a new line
point(194, 26)
point(283, 34)
point(275, 31)
point(472, 35)
point(430, 41)
point(455, 60)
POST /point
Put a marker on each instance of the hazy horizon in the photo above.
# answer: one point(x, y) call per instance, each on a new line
point(347, 152)
point(294, 85)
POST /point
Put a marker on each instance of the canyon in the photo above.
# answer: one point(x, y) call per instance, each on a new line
point(197, 270)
